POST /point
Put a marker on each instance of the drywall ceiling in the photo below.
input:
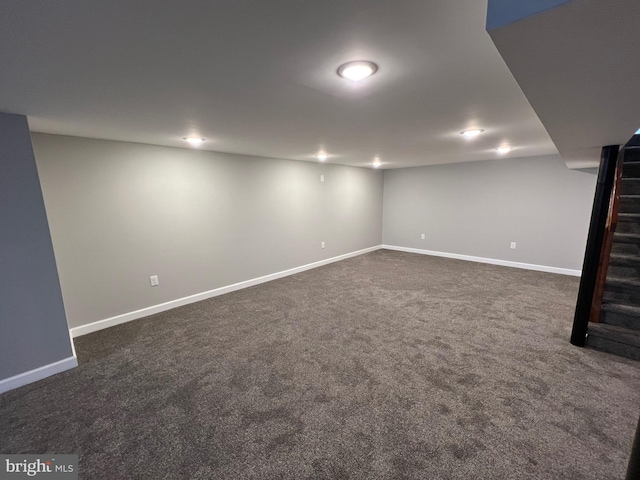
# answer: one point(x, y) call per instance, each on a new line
point(578, 66)
point(259, 77)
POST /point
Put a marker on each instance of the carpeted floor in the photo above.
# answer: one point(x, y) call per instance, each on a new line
point(385, 366)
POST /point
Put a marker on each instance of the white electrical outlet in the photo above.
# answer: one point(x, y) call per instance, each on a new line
point(321, 244)
point(322, 178)
point(422, 236)
point(513, 245)
point(153, 279)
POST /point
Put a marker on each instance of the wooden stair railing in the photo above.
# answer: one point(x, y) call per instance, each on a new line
point(610, 229)
point(593, 249)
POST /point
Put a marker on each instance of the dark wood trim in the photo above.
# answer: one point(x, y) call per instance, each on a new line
point(597, 226)
point(605, 253)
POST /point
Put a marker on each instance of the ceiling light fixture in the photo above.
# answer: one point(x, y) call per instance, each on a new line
point(472, 133)
point(322, 156)
point(194, 141)
point(376, 162)
point(356, 71)
point(503, 150)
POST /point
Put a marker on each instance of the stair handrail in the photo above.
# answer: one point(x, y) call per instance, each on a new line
point(595, 238)
point(610, 229)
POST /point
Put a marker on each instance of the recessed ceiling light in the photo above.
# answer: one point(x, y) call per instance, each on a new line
point(471, 133)
point(322, 156)
point(503, 150)
point(194, 141)
point(356, 71)
point(376, 162)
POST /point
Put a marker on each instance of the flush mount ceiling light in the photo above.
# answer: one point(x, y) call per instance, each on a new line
point(472, 133)
point(503, 150)
point(322, 156)
point(356, 71)
point(194, 141)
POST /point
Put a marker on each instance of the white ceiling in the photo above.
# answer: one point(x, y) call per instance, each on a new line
point(578, 65)
point(259, 77)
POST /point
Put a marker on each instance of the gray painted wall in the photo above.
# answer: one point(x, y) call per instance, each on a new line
point(33, 326)
point(478, 208)
point(120, 212)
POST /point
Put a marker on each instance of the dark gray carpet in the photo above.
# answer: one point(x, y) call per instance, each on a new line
point(385, 366)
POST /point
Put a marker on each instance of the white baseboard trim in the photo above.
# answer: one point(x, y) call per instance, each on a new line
point(144, 312)
point(37, 374)
point(492, 261)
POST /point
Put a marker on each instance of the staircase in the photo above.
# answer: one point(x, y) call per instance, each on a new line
point(618, 330)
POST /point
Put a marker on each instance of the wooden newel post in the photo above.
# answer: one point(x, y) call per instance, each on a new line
point(597, 226)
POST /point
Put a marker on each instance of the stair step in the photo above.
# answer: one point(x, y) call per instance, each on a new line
point(629, 204)
point(628, 223)
point(625, 248)
point(631, 169)
point(621, 315)
point(623, 271)
point(622, 259)
point(626, 237)
point(624, 265)
point(627, 288)
point(628, 217)
point(624, 282)
point(616, 340)
point(631, 154)
point(610, 296)
point(624, 226)
point(630, 186)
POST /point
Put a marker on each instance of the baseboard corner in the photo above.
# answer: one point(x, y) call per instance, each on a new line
point(490, 261)
point(39, 373)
